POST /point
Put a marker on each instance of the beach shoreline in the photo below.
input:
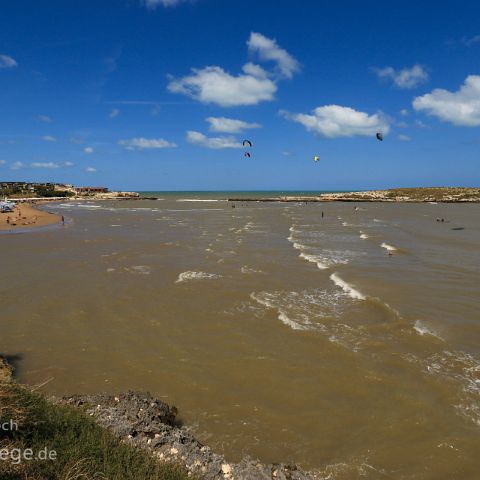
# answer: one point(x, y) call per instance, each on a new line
point(27, 215)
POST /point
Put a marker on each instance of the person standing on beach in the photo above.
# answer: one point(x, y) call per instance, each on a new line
point(63, 220)
point(322, 213)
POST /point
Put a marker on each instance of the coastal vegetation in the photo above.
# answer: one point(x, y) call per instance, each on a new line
point(73, 445)
point(27, 190)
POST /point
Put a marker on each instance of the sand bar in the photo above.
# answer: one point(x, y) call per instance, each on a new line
point(26, 215)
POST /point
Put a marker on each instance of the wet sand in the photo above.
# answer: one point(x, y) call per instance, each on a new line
point(27, 215)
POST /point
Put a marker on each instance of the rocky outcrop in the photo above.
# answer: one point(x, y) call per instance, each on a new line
point(146, 422)
point(6, 371)
point(108, 196)
point(428, 194)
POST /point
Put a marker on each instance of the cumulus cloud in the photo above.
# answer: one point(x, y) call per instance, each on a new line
point(267, 49)
point(404, 112)
point(7, 62)
point(17, 165)
point(215, 85)
point(215, 143)
point(114, 113)
point(333, 121)
point(405, 78)
point(152, 4)
point(49, 138)
point(229, 125)
point(404, 138)
point(462, 108)
point(88, 150)
point(90, 169)
point(212, 84)
point(3, 162)
point(142, 143)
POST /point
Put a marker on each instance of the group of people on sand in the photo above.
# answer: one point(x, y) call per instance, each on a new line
point(18, 219)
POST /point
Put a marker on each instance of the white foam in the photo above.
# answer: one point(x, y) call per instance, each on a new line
point(190, 275)
point(421, 328)
point(248, 270)
point(140, 269)
point(264, 299)
point(298, 246)
point(388, 247)
point(364, 236)
point(464, 369)
point(314, 259)
point(346, 287)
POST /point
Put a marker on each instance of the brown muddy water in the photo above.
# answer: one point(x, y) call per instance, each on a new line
point(277, 333)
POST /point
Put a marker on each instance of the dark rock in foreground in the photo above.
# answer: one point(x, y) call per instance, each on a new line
point(146, 422)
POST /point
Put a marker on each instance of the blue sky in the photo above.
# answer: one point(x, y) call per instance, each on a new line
point(159, 94)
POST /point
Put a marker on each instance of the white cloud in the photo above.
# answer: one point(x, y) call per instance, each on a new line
point(405, 78)
point(420, 124)
point(90, 169)
point(3, 162)
point(214, 85)
point(7, 62)
point(142, 143)
point(114, 113)
point(49, 138)
point(404, 138)
point(164, 3)
point(404, 112)
point(333, 121)
point(44, 118)
point(68, 164)
point(462, 108)
point(17, 165)
point(215, 143)
point(229, 125)
point(268, 50)
point(45, 165)
point(88, 150)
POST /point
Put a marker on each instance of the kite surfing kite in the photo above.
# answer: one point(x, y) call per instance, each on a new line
point(247, 143)
point(316, 158)
point(379, 136)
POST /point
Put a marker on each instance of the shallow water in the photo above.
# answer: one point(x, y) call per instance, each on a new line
point(276, 332)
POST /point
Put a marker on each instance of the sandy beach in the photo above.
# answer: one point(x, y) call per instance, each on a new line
point(26, 215)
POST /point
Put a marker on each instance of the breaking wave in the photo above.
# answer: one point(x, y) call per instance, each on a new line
point(190, 275)
point(346, 287)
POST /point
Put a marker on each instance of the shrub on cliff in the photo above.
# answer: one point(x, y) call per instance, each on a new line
point(65, 444)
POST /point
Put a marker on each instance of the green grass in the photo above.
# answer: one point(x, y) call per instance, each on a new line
point(84, 450)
